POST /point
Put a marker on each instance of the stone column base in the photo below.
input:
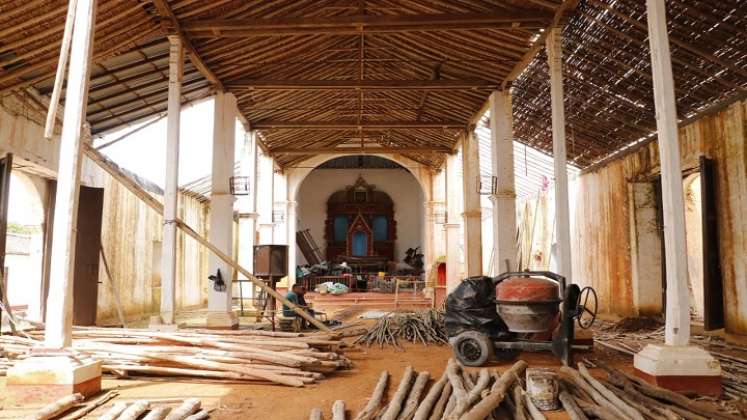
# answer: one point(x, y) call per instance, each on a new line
point(156, 323)
point(42, 379)
point(222, 321)
point(679, 368)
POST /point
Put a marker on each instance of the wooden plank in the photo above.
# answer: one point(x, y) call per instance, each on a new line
point(154, 204)
point(58, 333)
point(67, 36)
point(677, 328)
point(354, 125)
point(301, 84)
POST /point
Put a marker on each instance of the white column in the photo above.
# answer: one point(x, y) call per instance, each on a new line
point(266, 200)
point(291, 222)
point(451, 232)
point(700, 371)
point(677, 332)
point(59, 320)
point(280, 228)
point(171, 190)
point(452, 227)
point(472, 213)
point(220, 233)
point(248, 209)
point(562, 213)
point(504, 199)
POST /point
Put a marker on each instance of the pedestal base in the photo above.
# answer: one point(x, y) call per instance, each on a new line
point(45, 379)
point(222, 321)
point(156, 324)
point(679, 368)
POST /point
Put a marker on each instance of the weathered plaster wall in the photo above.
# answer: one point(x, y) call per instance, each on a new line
point(131, 235)
point(602, 245)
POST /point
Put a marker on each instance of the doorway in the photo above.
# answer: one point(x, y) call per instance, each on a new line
point(703, 259)
point(87, 254)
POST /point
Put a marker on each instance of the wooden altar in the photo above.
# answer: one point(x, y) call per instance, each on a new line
point(360, 224)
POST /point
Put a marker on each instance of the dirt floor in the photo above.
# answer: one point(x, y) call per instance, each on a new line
point(241, 401)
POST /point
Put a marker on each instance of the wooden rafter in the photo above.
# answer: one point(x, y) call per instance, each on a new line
point(300, 84)
point(355, 125)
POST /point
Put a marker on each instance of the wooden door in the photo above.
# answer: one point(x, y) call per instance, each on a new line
point(713, 289)
point(87, 251)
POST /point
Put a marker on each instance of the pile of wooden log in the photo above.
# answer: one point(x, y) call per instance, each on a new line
point(417, 327)
point(733, 358)
point(623, 396)
point(293, 359)
point(457, 394)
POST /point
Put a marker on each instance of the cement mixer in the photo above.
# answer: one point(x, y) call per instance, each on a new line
point(488, 318)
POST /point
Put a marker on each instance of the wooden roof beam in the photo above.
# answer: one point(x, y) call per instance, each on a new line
point(172, 25)
point(367, 23)
point(356, 150)
point(354, 125)
point(268, 84)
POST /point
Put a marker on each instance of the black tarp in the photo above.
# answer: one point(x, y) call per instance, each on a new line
point(471, 306)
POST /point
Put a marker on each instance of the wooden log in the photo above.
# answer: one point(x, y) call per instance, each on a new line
point(316, 414)
point(187, 408)
point(570, 406)
point(450, 404)
point(440, 407)
point(58, 407)
point(457, 384)
point(609, 395)
point(134, 410)
point(338, 410)
point(157, 413)
point(598, 411)
point(90, 406)
point(518, 397)
point(497, 393)
point(200, 415)
point(115, 410)
point(424, 409)
point(369, 411)
point(411, 405)
point(67, 37)
point(575, 377)
point(534, 412)
point(463, 404)
point(395, 405)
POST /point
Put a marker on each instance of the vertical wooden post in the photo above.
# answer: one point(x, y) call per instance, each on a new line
point(677, 330)
point(504, 199)
point(562, 213)
point(59, 320)
point(168, 252)
point(472, 213)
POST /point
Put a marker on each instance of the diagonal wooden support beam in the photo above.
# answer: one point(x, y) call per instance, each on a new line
point(156, 205)
point(172, 25)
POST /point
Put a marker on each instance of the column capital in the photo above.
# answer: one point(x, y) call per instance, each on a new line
point(472, 213)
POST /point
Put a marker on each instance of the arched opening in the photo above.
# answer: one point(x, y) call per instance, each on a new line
point(366, 211)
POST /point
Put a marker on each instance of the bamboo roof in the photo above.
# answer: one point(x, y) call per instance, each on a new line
point(313, 76)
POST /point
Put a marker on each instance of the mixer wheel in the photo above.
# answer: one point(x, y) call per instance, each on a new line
point(586, 312)
point(473, 348)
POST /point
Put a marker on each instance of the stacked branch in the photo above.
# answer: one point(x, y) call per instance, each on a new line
point(417, 327)
point(622, 396)
point(455, 395)
point(291, 359)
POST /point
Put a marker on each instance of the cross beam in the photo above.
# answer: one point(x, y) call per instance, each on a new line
point(367, 24)
point(354, 125)
point(300, 84)
point(357, 150)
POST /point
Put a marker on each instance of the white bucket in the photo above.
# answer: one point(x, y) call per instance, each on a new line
point(542, 388)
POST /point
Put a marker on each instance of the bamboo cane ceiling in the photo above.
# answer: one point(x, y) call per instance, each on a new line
point(400, 74)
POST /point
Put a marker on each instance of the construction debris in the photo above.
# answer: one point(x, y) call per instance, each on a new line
point(292, 359)
point(418, 327)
